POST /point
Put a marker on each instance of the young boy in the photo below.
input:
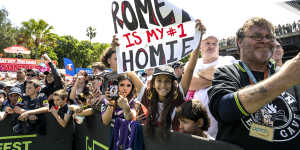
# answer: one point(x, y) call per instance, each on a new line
point(2, 107)
point(60, 110)
point(193, 118)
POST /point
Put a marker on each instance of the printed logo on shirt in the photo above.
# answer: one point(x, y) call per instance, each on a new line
point(45, 101)
point(20, 100)
point(282, 114)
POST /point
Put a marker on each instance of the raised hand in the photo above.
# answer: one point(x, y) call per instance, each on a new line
point(115, 42)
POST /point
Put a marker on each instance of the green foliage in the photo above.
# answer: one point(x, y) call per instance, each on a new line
point(82, 53)
point(91, 32)
point(65, 47)
point(7, 31)
point(37, 36)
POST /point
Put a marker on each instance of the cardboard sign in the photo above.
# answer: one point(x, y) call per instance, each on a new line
point(151, 33)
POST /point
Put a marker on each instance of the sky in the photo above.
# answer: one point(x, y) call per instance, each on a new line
point(222, 18)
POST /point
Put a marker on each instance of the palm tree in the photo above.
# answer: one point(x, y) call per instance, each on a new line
point(91, 33)
point(36, 33)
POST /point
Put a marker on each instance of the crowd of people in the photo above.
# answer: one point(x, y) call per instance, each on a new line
point(279, 30)
point(251, 102)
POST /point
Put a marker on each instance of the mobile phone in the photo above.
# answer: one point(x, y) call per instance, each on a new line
point(113, 88)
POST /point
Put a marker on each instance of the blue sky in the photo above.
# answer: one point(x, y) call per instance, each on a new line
point(72, 17)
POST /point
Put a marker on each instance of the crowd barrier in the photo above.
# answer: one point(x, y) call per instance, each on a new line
point(56, 138)
point(93, 135)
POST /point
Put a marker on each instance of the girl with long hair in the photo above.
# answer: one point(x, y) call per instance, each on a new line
point(165, 93)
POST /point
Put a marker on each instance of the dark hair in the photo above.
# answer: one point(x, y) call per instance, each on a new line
point(194, 110)
point(35, 82)
point(106, 55)
point(168, 107)
point(132, 92)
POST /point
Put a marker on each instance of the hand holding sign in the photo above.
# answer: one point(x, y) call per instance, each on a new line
point(152, 37)
point(202, 29)
point(115, 42)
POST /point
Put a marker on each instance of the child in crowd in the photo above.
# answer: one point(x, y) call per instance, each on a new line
point(80, 87)
point(3, 113)
point(193, 118)
point(7, 106)
point(121, 106)
point(31, 108)
point(60, 110)
point(164, 94)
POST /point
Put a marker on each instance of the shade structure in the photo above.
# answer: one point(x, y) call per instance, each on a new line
point(17, 49)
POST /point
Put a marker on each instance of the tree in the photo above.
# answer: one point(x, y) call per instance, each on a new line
point(7, 31)
point(37, 34)
point(91, 33)
point(82, 53)
point(66, 46)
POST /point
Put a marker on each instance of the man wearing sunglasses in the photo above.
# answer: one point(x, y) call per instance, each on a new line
point(30, 74)
point(255, 107)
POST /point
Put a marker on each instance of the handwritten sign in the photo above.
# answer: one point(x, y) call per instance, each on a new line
point(151, 33)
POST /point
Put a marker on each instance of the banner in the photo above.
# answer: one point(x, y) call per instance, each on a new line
point(89, 71)
point(56, 137)
point(151, 33)
point(69, 67)
point(13, 64)
point(93, 135)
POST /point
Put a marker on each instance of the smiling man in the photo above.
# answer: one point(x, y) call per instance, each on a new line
point(255, 107)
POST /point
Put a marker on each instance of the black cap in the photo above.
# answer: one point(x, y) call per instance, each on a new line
point(177, 64)
point(164, 70)
point(46, 72)
point(2, 85)
point(15, 90)
point(3, 92)
point(28, 70)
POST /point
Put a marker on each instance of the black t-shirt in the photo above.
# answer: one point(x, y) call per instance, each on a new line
point(64, 110)
point(30, 104)
point(283, 112)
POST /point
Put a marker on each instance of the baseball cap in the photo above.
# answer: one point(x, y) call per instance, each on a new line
point(167, 70)
point(2, 85)
point(15, 90)
point(3, 92)
point(177, 64)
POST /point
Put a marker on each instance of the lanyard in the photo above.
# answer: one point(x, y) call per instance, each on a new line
point(252, 79)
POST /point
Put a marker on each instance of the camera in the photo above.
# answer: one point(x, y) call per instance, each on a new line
point(113, 88)
point(108, 79)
